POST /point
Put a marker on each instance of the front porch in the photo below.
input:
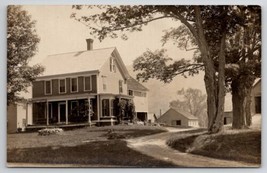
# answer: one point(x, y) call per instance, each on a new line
point(70, 112)
point(64, 112)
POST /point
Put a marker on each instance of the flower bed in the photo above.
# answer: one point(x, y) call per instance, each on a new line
point(50, 131)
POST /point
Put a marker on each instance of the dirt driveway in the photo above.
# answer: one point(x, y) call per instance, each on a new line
point(155, 146)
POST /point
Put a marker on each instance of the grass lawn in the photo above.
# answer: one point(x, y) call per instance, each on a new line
point(86, 146)
point(243, 145)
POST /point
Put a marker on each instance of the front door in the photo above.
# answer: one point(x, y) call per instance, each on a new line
point(62, 112)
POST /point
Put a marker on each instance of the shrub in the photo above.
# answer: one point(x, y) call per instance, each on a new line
point(46, 131)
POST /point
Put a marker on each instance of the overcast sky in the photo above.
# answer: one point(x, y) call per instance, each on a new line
point(60, 34)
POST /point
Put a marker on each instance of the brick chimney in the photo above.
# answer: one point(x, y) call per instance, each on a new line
point(89, 42)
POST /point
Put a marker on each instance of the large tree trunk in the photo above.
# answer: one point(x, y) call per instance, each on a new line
point(218, 119)
point(238, 100)
point(241, 99)
point(214, 86)
point(248, 107)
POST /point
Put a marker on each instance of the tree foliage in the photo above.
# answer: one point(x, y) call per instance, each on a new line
point(22, 42)
point(192, 101)
point(243, 55)
point(204, 27)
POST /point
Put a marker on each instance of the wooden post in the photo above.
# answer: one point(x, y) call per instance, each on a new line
point(47, 113)
point(67, 113)
point(58, 113)
point(89, 112)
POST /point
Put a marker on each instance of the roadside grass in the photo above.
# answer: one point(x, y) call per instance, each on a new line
point(87, 146)
point(237, 145)
point(112, 152)
point(77, 136)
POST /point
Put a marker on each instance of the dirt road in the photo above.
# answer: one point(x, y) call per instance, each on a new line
point(155, 146)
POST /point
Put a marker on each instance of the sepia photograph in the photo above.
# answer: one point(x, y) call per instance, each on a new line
point(134, 86)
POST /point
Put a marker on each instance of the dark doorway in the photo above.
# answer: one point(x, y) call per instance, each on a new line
point(62, 112)
point(224, 120)
point(258, 105)
point(142, 116)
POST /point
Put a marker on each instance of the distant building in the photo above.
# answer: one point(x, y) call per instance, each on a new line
point(256, 97)
point(228, 117)
point(255, 103)
point(17, 118)
point(175, 117)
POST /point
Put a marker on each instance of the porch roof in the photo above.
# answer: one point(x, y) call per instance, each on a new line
point(64, 97)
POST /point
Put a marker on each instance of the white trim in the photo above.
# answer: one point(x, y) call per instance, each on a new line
point(91, 86)
point(59, 86)
point(71, 85)
point(50, 87)
point(67, 75)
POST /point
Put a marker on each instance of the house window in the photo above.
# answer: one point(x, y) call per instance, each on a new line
point(120, 86)
point(104, 83)
point(112, 107)
point(48, 87)
point(105, 107)
point(74, 84)
point(130, 92)
point(62, 85)
point(139, 94)
point(87, 83)
point(112, 65)
point(178, 122)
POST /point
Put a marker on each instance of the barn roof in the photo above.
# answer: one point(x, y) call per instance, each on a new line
point(133, 84)
point(80, 61)
point(185, 114)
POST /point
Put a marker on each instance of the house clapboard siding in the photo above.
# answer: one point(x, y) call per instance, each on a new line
point(39, 89)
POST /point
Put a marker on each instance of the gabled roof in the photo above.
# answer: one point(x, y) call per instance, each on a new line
point(133, 84)
point(185, 114)
point(81, 61)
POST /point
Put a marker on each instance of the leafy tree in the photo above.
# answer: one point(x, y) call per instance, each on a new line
point(208, 25)
point(22, 43)
point(193, 102)
point(244, 63)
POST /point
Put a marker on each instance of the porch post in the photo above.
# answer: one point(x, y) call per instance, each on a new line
point(58, 113)
point(109, 102)
point(47, 113)
point(99, 108)
point(89, 112)
point(67, 112)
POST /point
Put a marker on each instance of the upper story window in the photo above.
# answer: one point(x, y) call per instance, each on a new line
point(139, 94)
point(120, 86)
point(112, 65)
point(48, 87)
point(130, 92)
point(87, 83)
point(104, 83)
point(74, 84)
point(62, 85)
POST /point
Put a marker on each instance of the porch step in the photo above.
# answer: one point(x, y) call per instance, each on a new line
point(107, 120)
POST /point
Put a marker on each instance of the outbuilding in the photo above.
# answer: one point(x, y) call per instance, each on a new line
point(175, 117)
